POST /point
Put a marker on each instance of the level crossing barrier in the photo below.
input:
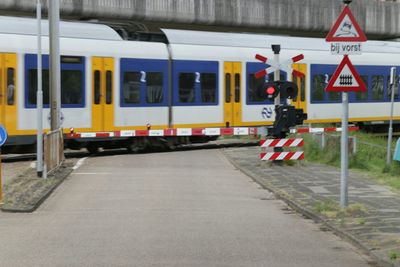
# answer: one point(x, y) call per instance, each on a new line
point(167, 132)
point(230, 131)
point(298, 142)
point(280, 143)
point(322, 130)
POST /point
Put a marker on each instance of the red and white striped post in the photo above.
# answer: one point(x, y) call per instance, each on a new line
point(274, 156)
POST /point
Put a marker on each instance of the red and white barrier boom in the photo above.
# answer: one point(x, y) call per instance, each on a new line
point(166, 132)
point(322, 130)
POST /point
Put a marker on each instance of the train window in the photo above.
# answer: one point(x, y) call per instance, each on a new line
point(154, 87)
point(318, 88)
point(109, 81)
point(97, 88)
point(227, 88)
point(377, 87)
point(10, 86)
point(131, 87)
point(208, 87)
point(396, 90)
point(255, 85)
point(237, 88)
point(71, 87)
point(334, 96)
point(72, 81)
point(186, 87)
point(32, 86)
point(363, 96)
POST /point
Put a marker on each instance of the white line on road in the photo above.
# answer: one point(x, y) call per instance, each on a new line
point(79, 163)
point(93, 173)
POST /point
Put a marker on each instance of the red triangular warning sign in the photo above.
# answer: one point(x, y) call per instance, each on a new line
point(346, 29)
point(346, 79)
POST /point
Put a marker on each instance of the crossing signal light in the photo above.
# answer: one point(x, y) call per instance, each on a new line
point(270, 90)
point(288, 90)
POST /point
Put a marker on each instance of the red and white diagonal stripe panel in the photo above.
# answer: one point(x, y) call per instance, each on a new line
point(282, 142)
point(299, 155)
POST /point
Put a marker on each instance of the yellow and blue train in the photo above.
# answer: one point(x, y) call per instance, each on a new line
point(192, 80)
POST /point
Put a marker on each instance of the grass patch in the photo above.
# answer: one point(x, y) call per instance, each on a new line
point(355, 210)
point(393, 255)
point(370, 156)
point(360, 221)
point(331, 209)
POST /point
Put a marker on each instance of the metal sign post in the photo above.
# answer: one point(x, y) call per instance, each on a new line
point(3, 138)
point(345, 79)
point(1, 184)
point(390, 134)
point(39, 94)
point(344, 151)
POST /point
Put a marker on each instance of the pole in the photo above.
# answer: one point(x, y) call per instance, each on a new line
point(39, 95)
point(55, 88)
point(1, 184)
point(277, 73)
point(277, 100)
point(344, 152)
point(390, 134)
point(344, 155)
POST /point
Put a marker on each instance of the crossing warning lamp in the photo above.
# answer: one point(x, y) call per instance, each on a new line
point(271, 90)
point(288, 90)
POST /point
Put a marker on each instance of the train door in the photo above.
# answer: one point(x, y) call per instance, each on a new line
point(300, 100)
point(103, 102)
point(233, 91)
point(8, 110)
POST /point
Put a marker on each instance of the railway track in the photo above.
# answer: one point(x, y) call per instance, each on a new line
point(6, 158)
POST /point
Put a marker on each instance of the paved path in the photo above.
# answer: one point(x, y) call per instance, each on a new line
point(188, 208)
point(375, 225)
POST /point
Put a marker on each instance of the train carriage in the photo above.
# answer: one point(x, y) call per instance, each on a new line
point(194, 80)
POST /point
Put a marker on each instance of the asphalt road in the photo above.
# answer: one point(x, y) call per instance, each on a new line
point(189, 208)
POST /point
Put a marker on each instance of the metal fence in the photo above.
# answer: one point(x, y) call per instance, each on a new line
point(53, 150)
point(356, 145)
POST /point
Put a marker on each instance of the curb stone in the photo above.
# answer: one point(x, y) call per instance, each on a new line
point(308, 213)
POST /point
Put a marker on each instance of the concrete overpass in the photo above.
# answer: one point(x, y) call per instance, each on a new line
point(379, 20)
